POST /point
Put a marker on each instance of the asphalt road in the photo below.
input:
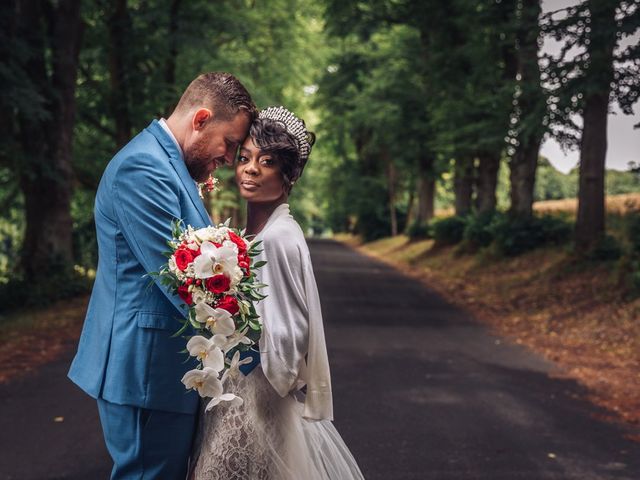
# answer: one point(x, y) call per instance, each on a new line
point(420, 391)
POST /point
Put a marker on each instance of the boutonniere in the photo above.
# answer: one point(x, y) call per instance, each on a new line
point(211, 184)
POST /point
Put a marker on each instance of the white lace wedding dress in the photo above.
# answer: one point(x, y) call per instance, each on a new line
point(266, 438)
point(279, 433)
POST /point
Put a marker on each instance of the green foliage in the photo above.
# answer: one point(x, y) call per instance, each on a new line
point(419, 231)
point(85, 244)
point(633, 231)
point(19, 292)
point(449, 230)
point(607, 249)
point(478, 232)
point(552, 184)
point(516, 235)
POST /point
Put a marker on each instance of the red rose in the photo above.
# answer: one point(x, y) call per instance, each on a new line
point(183, 256)
point(229, 303)
point(185, 294)
point(242, 246)
point(217, 283)
point(243, 262)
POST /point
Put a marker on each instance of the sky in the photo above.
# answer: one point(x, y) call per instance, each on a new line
point(623, 141)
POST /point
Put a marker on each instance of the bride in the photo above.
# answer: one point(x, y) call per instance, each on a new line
point(283, 429)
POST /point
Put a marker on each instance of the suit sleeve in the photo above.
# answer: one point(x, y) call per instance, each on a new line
point(146, 201)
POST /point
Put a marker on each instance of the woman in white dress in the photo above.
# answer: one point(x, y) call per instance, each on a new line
point(283, 429)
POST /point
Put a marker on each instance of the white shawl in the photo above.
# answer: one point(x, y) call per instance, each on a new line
point(291, 317)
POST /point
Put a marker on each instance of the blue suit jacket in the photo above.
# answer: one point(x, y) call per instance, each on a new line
point(126, 354)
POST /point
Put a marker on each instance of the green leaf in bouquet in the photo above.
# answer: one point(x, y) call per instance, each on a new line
point(183, 329)
point(255, 245)
point(194, 323)
point(259, 264)
point(255, 325)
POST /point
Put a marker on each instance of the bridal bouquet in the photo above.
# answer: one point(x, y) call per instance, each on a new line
point(211, 270)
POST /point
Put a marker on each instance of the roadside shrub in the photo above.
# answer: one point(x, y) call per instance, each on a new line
point(478, 232)
point(516, 235)
point(607, 249)
point(633, 231)
point(418, 231)
point(448, 231)
point(55, 284)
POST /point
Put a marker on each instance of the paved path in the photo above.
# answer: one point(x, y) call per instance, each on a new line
point(420, 392)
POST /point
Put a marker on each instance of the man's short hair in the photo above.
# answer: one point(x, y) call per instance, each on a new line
point(221, 92)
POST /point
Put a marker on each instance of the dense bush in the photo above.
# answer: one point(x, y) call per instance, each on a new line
point(449, 230)
point(607, 249)
point(633, 231)
point(19, 292)
point(632, 259)
point(516, 235)
point(478, 233)
point(417, 231)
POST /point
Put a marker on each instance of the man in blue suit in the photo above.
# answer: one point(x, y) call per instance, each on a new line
point(126, 357)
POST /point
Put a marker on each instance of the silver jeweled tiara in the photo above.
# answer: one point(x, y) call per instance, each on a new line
point(294, 126)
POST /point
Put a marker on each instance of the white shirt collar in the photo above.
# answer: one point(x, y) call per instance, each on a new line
point(163, 124)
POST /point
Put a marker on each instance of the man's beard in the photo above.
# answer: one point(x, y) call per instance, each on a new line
point(198, 161)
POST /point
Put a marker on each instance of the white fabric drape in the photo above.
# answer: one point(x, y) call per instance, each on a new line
point(293, 350)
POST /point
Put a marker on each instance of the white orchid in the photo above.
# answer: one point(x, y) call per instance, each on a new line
point(215, 260)
point(227, 342)
point(217, 320)
point(206, 351)
point(234, 367)
point(205, 382)
point(225, 397)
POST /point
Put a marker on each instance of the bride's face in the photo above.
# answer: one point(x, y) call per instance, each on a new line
point(258, 175)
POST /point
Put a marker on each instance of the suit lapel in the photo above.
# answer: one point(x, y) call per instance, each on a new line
point(175, 158)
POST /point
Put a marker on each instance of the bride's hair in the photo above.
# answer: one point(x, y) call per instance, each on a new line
point(285, 139)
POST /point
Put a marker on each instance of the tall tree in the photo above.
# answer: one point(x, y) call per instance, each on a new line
point(52, 33)
point(585, 83)
point(528, 127)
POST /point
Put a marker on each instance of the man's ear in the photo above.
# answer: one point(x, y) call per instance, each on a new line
point(200, 118)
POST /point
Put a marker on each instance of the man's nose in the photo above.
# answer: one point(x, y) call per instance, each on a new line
point(229, 157)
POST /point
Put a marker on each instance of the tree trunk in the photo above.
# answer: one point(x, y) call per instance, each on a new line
point(391, 183)
point(119, 26)
point(463, 185)
point(590, 222)
point(170, 63)
point(8, 26)
point(531, 106)
point(426, 190)
point(487, 182)
point(409, 220)
point(522, 177)
point(46, 178)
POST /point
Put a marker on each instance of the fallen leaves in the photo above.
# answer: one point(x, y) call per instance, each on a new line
point(36, 337)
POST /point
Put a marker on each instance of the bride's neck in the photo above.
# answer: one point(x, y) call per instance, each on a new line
point(258, 214)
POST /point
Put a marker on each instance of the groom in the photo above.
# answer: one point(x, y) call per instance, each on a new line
point(126, 357)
